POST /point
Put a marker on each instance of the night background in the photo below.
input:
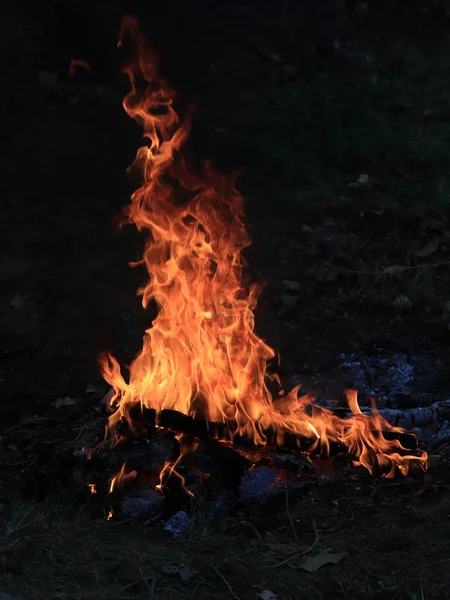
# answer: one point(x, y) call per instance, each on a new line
point(337, 117)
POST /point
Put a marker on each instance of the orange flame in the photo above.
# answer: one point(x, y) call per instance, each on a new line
point(201, 356)
point(121, 478)
point(168, 472)
point(75, 63)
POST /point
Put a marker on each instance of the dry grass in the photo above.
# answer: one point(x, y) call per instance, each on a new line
point(395, 536)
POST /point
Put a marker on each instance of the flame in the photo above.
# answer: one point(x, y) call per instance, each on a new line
point(168, 474)
point(122, 478)
point(75, 63)
point(201, 356)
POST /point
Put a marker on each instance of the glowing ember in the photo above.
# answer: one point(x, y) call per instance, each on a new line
point(201, 356)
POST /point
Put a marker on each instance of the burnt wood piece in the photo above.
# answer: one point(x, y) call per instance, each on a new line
point(144, 424)
point(144, 421)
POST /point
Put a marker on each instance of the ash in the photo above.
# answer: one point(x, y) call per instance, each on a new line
point(380, 374)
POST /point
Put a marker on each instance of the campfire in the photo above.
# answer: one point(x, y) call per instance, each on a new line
point(203, 373)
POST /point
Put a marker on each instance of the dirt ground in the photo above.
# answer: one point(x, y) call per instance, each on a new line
point(343, 142)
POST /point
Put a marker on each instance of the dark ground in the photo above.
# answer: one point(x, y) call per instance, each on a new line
point(303, 102)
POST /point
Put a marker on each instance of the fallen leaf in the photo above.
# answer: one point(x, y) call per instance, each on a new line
point(430, 248)
point(430, 112)
point(362, 181)
point(401, 303)
point(186, 573)
point(393, 270)
point(283, 550)
point(275, 57)
point(267, 595)
point(288, 300)
point(66, 401)
point(292, 286)
point(379, 211)
point(17, 301)
point(170, 569)
point(313, 563)
point(245, 529)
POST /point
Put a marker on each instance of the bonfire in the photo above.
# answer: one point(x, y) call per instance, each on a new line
point(201, 357)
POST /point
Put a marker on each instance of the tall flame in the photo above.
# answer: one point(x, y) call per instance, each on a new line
point(201, 356)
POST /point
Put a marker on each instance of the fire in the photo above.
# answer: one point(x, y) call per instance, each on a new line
point(74, 64)
point(168, 473)
point(201, 356)
point(122, 478)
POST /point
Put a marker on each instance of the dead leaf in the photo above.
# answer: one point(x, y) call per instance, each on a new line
point(186, 573)
point(430, 112)
point(393, 270)
point(313, 563)
point(66, 401)
point(401, 302)
point(362, 181)
point(292, 286)
point(288, 302)
point(170, 569)
point(282, 550)
point(17, 301)
point(267, 595)
point(430, 248)
point(380, 211)
point(275, 57)
point(245, 529)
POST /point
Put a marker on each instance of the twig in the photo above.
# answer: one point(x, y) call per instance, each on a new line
point(290, 517)
point(151, 588)
point(24, 423)
point(232, 592)
point(300, 554)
